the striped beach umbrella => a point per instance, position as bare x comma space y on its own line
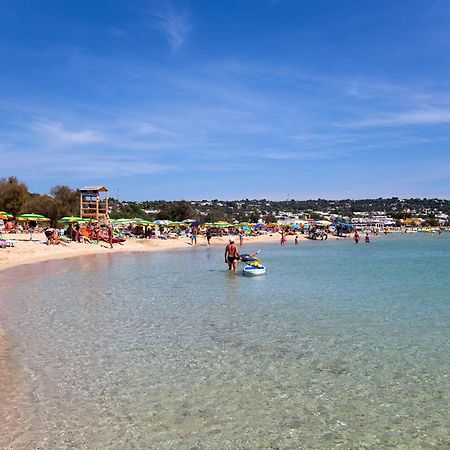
73, 219
5, 215
133, 220
36, 217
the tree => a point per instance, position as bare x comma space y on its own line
13, 195
270, 218
214, 215
254, 217
177, 211
44, 205
67, 201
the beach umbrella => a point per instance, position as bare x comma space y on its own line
324, 223
73, 219
295, 226
221, 224
134, 220
246, 228
178, 224
5, 215
36, 217
260, 225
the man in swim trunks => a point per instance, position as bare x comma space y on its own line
231, 255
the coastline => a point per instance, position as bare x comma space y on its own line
27, 252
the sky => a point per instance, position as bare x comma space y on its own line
227, 99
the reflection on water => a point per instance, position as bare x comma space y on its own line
339, 346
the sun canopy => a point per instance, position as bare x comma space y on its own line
133, 220
36, 217
73, 219
5, 215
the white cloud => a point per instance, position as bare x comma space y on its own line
173, 24
297, 155
419, 117
55, 131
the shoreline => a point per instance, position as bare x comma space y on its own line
26, 252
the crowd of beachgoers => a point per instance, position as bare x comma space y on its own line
77, 237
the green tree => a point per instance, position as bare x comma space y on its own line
270, 218
214, 215
67, 201
177, 211
44, 205
13, 195
254, 217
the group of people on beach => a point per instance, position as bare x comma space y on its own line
85, 235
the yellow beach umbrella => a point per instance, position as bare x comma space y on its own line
221, 224
72, 219
36, 217
5, 215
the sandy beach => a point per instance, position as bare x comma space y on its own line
35, 251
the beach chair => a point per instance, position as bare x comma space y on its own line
5, 243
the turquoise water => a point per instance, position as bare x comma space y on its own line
338, 346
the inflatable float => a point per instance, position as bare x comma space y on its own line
254, 269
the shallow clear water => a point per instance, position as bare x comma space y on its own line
338, 346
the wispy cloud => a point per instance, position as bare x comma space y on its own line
419, 117
298, 155
56, 132
173, 23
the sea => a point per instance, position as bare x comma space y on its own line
337, 346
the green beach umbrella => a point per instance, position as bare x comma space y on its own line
221, 224
36, 217
134, 220
5, 215
72, 219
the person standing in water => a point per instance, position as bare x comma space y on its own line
367, 238
231, 255
296, 240
283, 238
356, 237
241, 238
194, 233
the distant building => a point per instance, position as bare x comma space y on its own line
374, 221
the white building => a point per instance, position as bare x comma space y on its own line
374, 221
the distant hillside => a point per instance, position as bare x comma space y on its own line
268, 210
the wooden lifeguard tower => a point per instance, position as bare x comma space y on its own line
94, 202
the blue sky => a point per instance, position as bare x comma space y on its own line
227, 98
